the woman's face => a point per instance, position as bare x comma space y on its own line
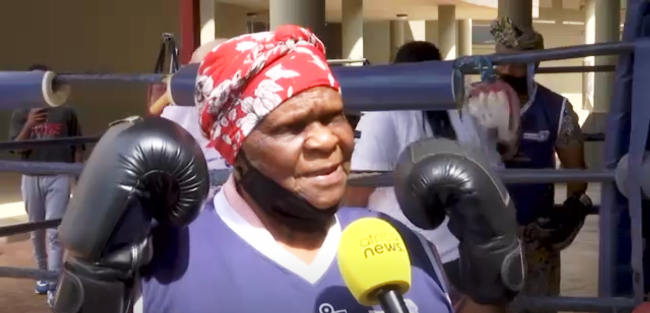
305, 145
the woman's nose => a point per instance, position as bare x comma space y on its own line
321, 138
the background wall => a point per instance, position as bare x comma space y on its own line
88, 36
85, 36
124, 36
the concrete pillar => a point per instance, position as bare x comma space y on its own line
601, 25
306, 13
352, 29
608, 20
590, 38
397, 29
602, 20
431, 31
447, 31
230, 20
208, 27
464, 37
519, 11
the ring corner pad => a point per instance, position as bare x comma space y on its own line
54, 94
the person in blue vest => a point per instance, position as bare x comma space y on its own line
549, 126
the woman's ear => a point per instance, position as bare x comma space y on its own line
240, 166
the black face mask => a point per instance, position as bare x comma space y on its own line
519, 84
284, 206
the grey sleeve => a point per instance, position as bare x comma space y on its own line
569, 131
74, 129
17, 122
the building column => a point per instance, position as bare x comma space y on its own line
208, 26
447, 32
397, 28
590, 38
306, 13
189, 28
605, 28
601, 25
464, 37
352, 29
519, 11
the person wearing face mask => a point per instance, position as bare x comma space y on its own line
549, 125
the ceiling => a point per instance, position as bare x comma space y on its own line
388, 9
421, 9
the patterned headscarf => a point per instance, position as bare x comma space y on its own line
508, 35
242, 80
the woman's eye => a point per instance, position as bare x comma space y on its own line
335, 119
294, 128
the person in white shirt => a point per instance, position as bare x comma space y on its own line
188, 117
385, 134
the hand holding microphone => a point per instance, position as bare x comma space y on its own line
435, 178
375, 265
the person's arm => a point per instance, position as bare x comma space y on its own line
461, 302
19, 128
467, 305
570, 147
376, 150
75, 131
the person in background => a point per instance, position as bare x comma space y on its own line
188, 118
384, 135
549, 126
46, 196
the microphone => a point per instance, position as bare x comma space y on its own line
375, 265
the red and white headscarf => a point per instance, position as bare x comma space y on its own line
245, 78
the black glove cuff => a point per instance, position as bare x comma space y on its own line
492, 273
580, 199
91, 288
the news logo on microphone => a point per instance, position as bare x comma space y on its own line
372, 255
380, 243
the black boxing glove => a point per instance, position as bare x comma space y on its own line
559, 226
435, 178
142, 171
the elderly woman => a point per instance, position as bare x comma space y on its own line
268, 240
549, 126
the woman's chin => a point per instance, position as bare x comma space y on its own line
323, 197
325, 201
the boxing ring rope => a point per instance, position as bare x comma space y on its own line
424, 86
30, 144
66, 78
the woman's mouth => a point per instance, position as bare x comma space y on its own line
328, 176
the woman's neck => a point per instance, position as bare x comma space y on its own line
304, 245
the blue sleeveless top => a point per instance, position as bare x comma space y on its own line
209, 268
540, 125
